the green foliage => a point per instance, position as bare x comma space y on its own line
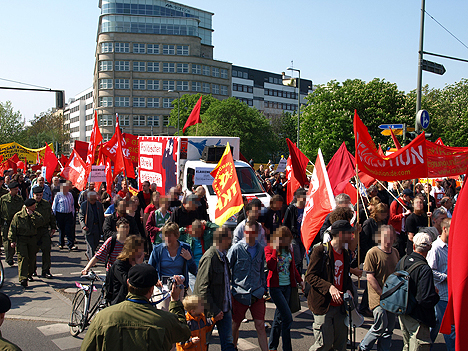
46, 127
11, 124
284, 126
328, 119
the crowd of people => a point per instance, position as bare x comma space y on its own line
152, 242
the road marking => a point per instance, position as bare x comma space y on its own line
68, 342
241, 343
79, 273
53, 329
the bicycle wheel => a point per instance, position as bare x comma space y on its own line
77, 321
2, 274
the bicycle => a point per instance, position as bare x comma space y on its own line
82, 313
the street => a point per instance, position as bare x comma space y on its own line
39, 315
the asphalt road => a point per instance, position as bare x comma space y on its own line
66, 267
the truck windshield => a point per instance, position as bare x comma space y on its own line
248, 181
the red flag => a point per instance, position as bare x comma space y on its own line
119, 163
395, 140
380, 151
15, 158
299, 162
38, 158
341, 168
25, 165
320, 202
227, 188
75, 171
94, 140
50, 161
194, 117
109, 179
440, 142
293, 184
457, 274
63, 159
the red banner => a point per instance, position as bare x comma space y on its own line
407, 163
227, 188
158, 162
132, 146
444, 161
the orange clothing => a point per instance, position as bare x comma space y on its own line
199, 326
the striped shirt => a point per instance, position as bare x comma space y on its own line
63, 203
437, 259
103, 252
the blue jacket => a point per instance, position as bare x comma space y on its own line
189, 266
247, 274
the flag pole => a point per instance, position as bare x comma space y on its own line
428, 202
393, 195
357, 227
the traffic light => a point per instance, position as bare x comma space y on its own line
413, 135
59, 96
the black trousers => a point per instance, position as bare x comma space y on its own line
65, 224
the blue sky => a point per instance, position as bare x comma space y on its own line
52, 43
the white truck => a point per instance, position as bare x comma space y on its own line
193, 166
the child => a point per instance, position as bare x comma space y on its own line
198, 324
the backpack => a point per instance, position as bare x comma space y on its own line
396, 297
109, 286
325, 259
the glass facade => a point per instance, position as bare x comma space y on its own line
155, 17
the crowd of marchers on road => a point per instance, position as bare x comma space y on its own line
152, 242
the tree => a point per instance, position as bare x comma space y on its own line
327, 121
284, 126
47, 127
11, 124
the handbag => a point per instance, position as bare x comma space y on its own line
294, 300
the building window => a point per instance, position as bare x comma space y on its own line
234, 73
167, 102
152, 84
224, 73
139, 120
152, 49
138, 48
206, 88
152, 121
182, 68
168, 67
196, 86
105, 66
152, 102
89, 117
245, 75
105, 83
139, 66
122, 101
138, 102
122, 65
106, 120
206, 70
168, 49
124, 120
139, 84
215, 89
224, 90
165, 121
182, 85
106, 137
122, 84
215, 72
152, 66
122, 47
107, 47
168, 85
105, 101
196, 69
182, 50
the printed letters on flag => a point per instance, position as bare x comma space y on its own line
109, 178
75, 171
94, 140
320, 202
226, 186
457, 274
194, 117
50, 161
407, 163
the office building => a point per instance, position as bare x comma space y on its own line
78, 118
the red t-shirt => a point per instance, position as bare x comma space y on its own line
147, 197
122, 194
339, 273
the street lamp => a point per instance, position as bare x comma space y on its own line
298, 101
178, 109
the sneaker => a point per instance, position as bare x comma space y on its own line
47, 275
11, 263
73, 248
30, 279
61, 247
34, 274
245, 320
24, 283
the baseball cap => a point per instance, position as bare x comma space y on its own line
142, 276
422, 240
193, 198
408, 192
341, 226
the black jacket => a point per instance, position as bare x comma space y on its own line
86, 216
290, 220
110, 227
422, 287
141, 200
184, 218
366, 238
118, 280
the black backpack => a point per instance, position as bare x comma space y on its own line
109, 285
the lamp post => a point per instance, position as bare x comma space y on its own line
178, 109
298, 101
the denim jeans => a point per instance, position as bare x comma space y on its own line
224, 327
283, 318
299, 252
449, 339
381, 331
